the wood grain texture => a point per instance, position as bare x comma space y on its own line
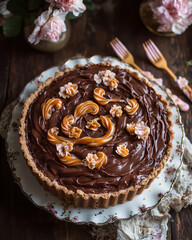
19, 218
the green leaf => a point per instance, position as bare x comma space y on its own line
189, 63
12, 26
17, 6
34, 4
71, 16
89, 5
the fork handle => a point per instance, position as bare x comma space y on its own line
137, 67
186, 90
171, 73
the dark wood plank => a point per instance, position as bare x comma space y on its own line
5, 66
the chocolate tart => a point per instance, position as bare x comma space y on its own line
96, 135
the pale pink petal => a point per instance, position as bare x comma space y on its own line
172, 15
35, 36
74, 6
48, 29
180, 103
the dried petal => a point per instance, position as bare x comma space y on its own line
68, 90
75, 132
93, 125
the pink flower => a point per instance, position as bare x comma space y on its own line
172, 15
75, 219
180, 103
74, 6
48, 27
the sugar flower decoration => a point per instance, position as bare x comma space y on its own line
90, 160
140, 129
48, 26
74, 6
68, 90
172, 15
108, 78
116, 111
64, 149
122, 150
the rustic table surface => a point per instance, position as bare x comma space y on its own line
19, 63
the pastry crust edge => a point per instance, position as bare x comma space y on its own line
80, 198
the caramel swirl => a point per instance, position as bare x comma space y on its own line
68, 129
92, 142
101, 161
86, 107
66, 125
53, 137
69, 160
132, 106
47, 108
95, 160
99, 97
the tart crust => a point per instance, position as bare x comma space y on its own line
79, 198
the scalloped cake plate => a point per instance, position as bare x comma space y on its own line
42, 198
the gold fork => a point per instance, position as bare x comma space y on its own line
158, 60
123, 53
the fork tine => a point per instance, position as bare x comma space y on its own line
156, 48
121, 45
147, 52
116, 50
123, 53
116, 45
153, 50
153, 55
158, 57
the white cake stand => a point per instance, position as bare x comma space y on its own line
41, 198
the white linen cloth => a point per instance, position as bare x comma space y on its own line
152, 224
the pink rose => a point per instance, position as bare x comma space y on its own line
172, 15
74, 6
48, 28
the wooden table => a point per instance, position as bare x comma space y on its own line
19, 63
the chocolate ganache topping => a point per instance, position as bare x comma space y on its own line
95, 135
